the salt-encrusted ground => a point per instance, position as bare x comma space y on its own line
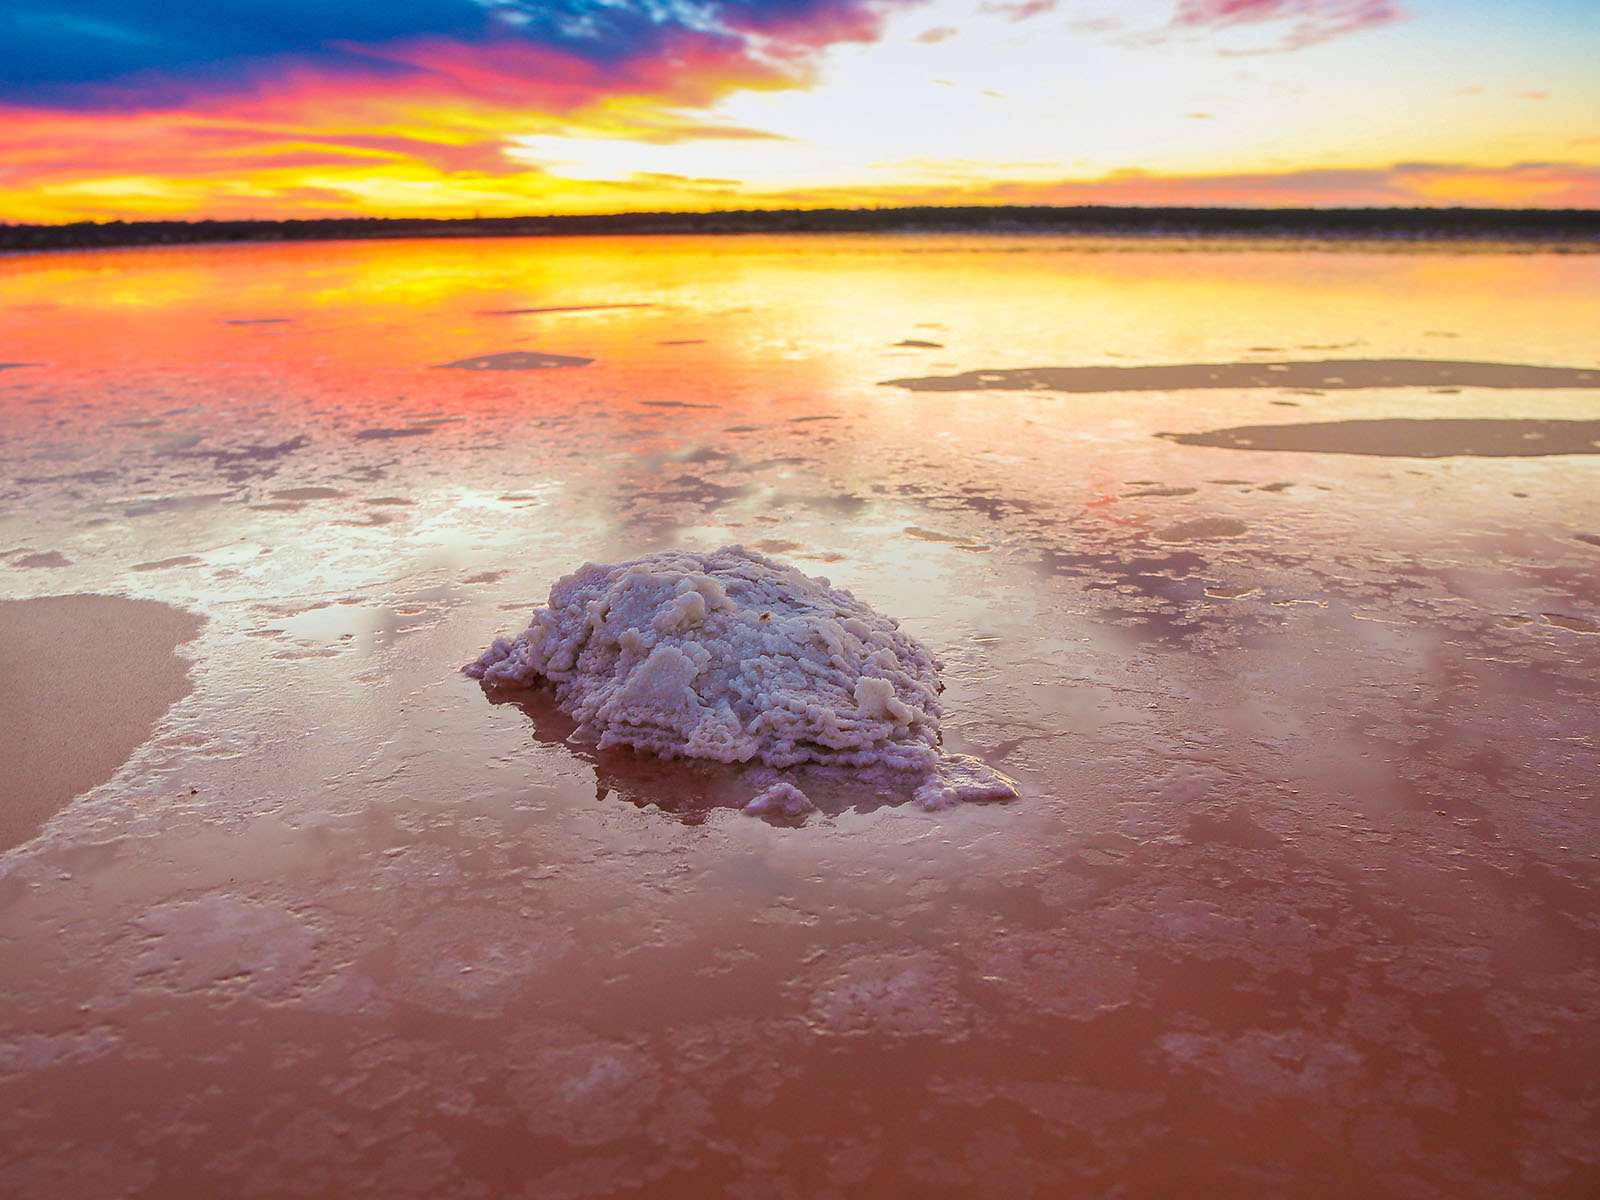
1298, 898
732, 657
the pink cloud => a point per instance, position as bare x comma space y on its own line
1019, 10
1306, 21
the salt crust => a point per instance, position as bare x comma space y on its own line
734, 657
780, 799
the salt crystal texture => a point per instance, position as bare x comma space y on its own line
734, 657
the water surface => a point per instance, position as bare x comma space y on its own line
1299, 899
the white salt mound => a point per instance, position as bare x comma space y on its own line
734, 657
780, 799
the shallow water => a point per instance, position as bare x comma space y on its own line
1300, 897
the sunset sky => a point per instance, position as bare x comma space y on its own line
286, 108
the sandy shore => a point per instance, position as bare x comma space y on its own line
87, 678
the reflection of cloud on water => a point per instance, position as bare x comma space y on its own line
1409, 438
559, 308
1337, 373
517, 360
245, 462
1202, 529
385, 433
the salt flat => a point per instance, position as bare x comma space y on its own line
1298, 896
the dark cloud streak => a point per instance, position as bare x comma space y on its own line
72, 42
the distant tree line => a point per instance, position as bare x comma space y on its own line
1420, 224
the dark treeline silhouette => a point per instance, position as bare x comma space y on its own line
1408, 224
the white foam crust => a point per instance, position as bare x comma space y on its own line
732, 656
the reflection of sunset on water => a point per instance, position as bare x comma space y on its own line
1296, 896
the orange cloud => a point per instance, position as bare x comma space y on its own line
318, 147
425, 139
419, 123
1430, 185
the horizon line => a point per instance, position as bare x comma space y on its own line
803, 209
1458, 223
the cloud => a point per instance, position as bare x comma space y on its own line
428, 96
124, 55
1400, 185
694, 181
323, 132
1305, 22
1519, 185
1019, 10
406, 184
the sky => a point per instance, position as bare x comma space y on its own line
136, 109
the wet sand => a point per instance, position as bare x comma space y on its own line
1327, 374
87, 678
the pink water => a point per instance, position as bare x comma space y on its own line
1300, 897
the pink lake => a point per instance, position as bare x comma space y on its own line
1301, 897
